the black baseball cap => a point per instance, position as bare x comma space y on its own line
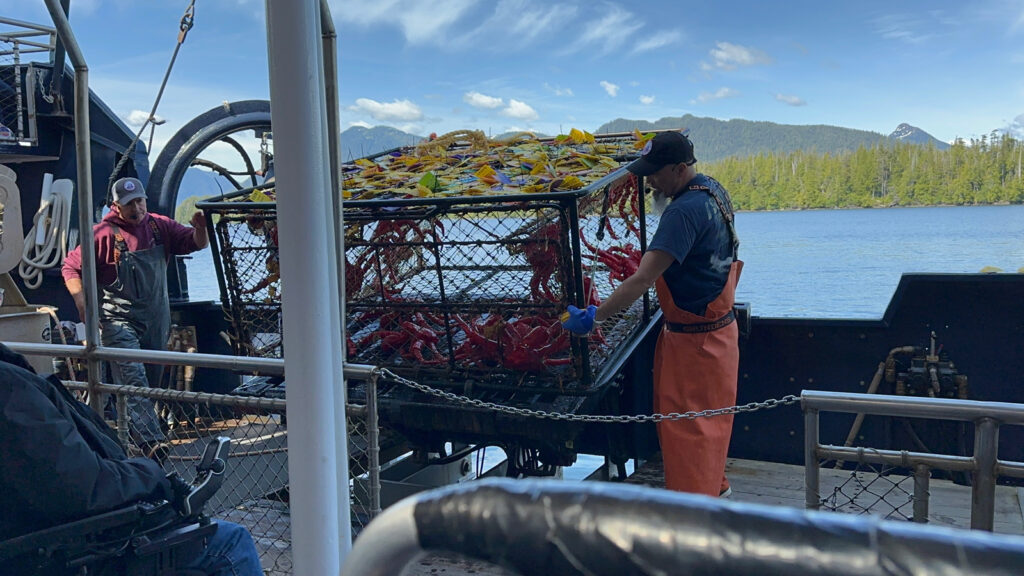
664, 149
127, 189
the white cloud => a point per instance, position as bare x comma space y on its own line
522, 21
609, 32
717, 95
137, 118
647, 100
478, 100
902, 28
791, 100
726, 56
611, 89
659, 40
520, 110
422, 22
399, 110
361, 124
559, 91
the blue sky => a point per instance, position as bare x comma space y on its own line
954, 69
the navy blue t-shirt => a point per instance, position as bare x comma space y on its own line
693, 231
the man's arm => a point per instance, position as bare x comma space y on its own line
74, 286
652, 266
199, 234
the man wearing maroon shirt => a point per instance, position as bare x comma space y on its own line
133, 248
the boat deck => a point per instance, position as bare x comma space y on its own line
783, 485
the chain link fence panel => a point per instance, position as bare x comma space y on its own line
255, 491
873, 489
20, 46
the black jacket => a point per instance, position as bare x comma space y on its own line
59, 461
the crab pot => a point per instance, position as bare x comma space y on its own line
458, 292
245, 255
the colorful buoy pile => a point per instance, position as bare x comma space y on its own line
466, 163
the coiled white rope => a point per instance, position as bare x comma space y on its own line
46, 244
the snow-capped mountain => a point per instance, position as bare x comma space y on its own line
907, 133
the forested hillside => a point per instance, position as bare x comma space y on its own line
716, 139
984, 171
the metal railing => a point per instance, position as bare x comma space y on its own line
21, 43
984, 465
256, 491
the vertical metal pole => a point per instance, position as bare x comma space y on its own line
122, 419
983, 492
329, 77
373, 439
19, 128
57, 72
922, 476
580, 345
812, 474
642, 240
330, 47
83, 156
310, 306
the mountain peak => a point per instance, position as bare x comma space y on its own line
903, 130
908, 133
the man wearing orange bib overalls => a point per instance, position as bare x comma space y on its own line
692, 262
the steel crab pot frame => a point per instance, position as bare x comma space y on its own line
457, 292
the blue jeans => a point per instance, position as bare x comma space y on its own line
230, 552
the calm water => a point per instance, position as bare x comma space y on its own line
835, 263
847, 263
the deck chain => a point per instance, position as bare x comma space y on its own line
595, 418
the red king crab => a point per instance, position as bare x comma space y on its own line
482, 345
395, 241
622, 261
626, 200
543, 252
413, 337
531, 342
527, 343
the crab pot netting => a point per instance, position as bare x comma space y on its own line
246, 257
458, 291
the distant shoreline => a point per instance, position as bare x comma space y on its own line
882, 207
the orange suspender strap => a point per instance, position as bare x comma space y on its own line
119, 244
157, 239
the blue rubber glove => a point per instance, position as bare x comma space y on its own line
579, 321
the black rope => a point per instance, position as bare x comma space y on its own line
187, 21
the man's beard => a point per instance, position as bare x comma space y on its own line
659, 201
